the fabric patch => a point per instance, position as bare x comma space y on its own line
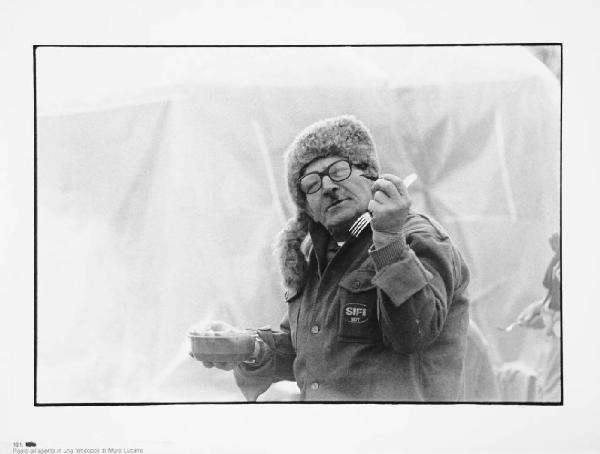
355, 313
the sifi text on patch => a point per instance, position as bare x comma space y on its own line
355, 313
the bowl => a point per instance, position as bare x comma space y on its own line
226, 347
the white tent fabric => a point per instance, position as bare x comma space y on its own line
160, 193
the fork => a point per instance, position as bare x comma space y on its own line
366, 218
509, 328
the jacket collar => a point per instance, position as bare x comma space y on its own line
321, 239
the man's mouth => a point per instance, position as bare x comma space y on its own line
334, 204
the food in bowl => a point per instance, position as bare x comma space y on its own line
221, 346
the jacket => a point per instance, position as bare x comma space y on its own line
372, 325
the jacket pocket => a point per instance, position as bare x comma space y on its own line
358, 308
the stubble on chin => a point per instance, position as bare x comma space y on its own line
340, 229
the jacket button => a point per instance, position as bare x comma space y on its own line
356, 284
314, 386
314, 329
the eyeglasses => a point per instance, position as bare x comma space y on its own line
337, 171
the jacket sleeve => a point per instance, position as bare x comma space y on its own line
417, 280
275, 362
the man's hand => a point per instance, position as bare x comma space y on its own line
216, 328
531, 315
390, 204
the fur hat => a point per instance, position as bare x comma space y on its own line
343, 136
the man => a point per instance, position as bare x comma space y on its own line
546, 314
378, 317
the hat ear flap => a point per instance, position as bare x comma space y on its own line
288, 249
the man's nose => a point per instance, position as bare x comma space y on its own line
328, 184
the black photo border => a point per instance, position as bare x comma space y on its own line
36, 402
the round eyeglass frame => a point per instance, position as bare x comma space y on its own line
322, 174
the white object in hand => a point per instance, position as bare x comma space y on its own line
364, 219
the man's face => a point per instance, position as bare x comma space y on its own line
337, 204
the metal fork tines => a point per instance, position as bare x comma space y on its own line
508, 328
365, 219
360, 224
